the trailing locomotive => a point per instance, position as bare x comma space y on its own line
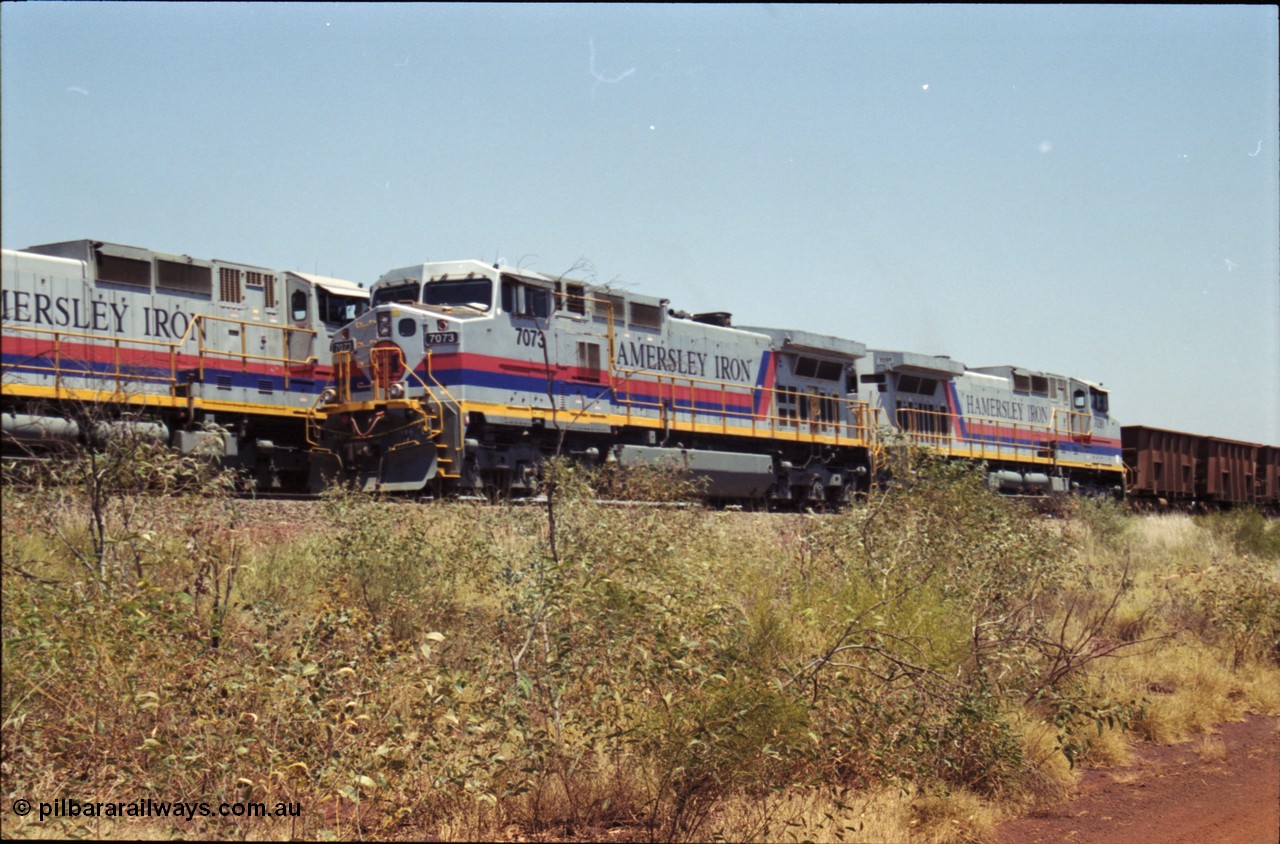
462, 377
215, 356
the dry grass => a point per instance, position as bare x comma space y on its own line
1050, 776
1183, 678
442, 671
1210, 748
884, 815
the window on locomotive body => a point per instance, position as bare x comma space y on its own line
1078, 400
508, 293
537, 302
298, 306
475, 292
829, 370
528, 300
406, 292
1100, 403
336, 308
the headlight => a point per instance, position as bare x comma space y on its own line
396, 391
384, 324
328, 396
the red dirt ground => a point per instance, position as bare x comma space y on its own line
1224, 792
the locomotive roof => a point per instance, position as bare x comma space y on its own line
794, 339
886, 361
339, 286
27, 255
1015, 370
1010, 371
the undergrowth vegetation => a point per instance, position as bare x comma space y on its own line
908, 670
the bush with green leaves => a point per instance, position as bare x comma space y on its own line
1246, 530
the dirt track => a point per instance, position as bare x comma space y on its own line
1225, 790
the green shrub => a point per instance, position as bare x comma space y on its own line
1246, 530
1239, 603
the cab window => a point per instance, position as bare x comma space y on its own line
1099, 401
539, 302
405, 292
469, 293
525, 299
298, 305
337, 308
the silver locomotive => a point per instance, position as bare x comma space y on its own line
463, 377
210, 355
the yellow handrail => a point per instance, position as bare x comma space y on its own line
119, 372
941, 430
814, 427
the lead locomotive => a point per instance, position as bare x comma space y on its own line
463, 377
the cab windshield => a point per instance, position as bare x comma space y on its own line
404, 292
343, 309
470, 293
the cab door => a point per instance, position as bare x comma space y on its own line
299, 302
1081, 416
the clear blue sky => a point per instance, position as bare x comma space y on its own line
1092, 191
